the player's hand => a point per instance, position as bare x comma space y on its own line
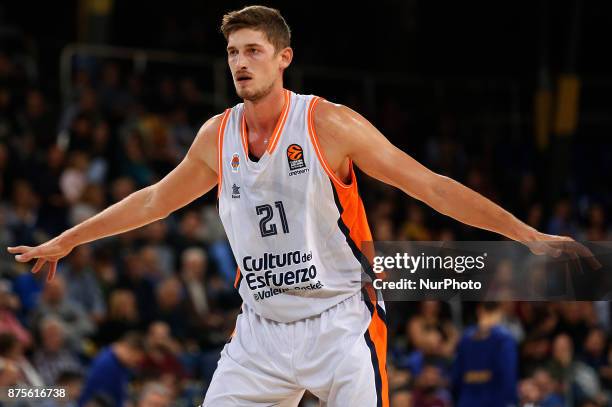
49, 252
555, 246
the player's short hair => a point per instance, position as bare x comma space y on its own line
265, 19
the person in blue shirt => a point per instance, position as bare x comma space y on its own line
111, 370
485, 368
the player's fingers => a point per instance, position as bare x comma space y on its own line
38, 265
33, 253
552, 250
52, 269
588, 255
18, 249
580, 251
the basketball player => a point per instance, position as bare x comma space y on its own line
288, 199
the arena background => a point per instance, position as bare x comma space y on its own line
99, 98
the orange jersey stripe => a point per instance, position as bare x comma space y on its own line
280, 124
220, 135
378, 335
237, 279
315, 142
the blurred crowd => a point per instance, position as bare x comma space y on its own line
153, 307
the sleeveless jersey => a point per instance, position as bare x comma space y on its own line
295, 229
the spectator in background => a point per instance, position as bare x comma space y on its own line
133, 279
110, 371
113, 98
561, 222
22, 215
91, 202
54, 302
181, 132
73, 383
121, 188
81, 133
100, 153
135, 165
53, 357
596, 225
594, 350
414, 227
429, 389
576, 319
27, 287
37, 120
430, 318
82, 284
9, 305
9, 372
534, 353
156, 235
529, 393
190, 233
171, 307
87, 106
606, 372
162, 357
74, 178
105, 269
12, 351
166, 96
549, 389
151, 264
579, 382
205, 318
122, 317
430, 351
535, 216
154, 395
193, 273
54, 206
485, 368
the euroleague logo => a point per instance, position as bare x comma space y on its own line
295, 158
295, 153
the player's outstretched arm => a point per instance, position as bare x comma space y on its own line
345, 133
194, 176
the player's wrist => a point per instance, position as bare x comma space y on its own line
67, 240
526, 233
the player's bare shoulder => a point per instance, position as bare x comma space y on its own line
204, 146
336, 126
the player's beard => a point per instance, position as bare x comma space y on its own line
254, 94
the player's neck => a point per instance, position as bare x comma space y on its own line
262, 115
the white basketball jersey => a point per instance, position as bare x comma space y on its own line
295, 229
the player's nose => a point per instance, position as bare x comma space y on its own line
240, 62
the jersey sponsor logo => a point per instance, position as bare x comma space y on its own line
295, 158
270, 292
235, 163
282, 279
265, 282
270, 261
235, 191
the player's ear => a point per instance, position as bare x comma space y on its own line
286, 57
